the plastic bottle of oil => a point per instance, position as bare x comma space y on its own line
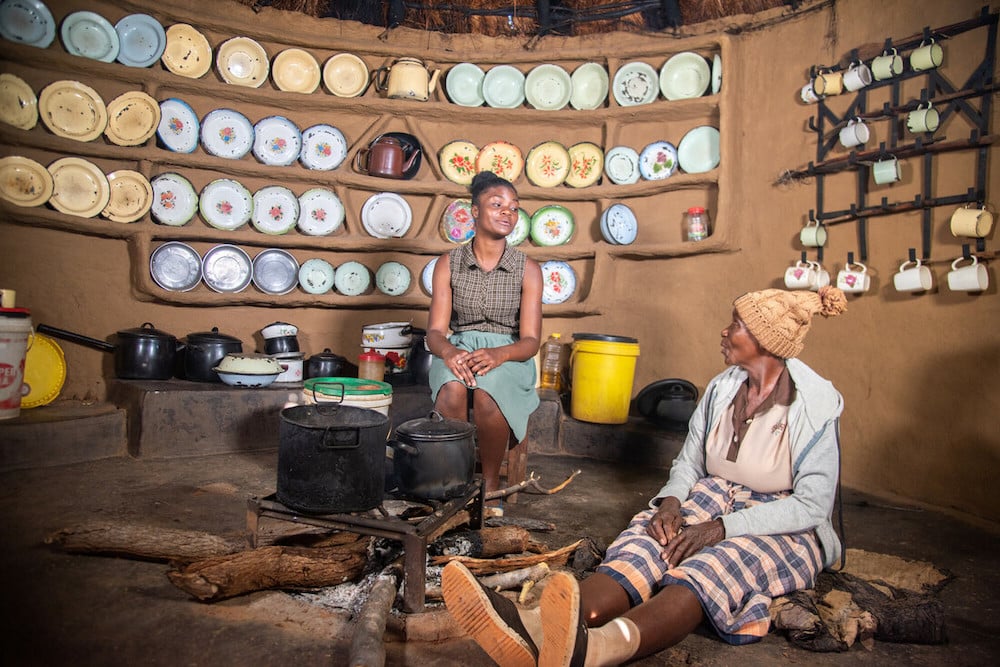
552, 354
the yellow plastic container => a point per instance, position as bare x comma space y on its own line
602, 369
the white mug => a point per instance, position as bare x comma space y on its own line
886, 170
808, 94
813, 234
928, 56
800, 276
887, 65
821, 277
923, 120
972, 222
969, 278
857, 77
855, 134
913, 277
854, 278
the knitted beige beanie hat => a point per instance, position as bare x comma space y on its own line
779, 319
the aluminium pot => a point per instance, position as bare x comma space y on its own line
434, 458
331, 458
141, 353
204, 351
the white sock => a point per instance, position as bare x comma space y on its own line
532, 619
612, 644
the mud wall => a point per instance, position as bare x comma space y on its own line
918, 372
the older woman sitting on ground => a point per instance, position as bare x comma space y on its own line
744, 517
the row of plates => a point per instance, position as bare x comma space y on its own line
559, 281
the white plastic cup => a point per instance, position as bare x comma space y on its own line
913, 277
821, 277
15, 328
969, 278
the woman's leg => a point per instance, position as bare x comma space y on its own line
492, 435
452, 401
602, 599
665, 619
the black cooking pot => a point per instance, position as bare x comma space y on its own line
420, 357
204, 351
434, 458
325, 364
142, 353
668, 403
281, 345
331, 458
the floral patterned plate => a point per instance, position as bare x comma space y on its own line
133, 118
276, 141
79, 187
131, 196
658, 160
174, 200
18, 102
585, 163
547, 164
179, 126
636, 83
225, 204
558, 282
226, 133
275, 271
457, 224
521, 229
502, 158
320, 212
73, 110
323, 147
275, 210
24, 181
458, 161
552, 225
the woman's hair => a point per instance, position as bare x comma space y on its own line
486, 180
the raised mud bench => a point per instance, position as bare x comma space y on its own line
62, 433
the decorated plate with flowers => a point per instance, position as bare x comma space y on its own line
586, 161
558, 282
277, 141
502, 158
320, 212
225, 204
547, 164
522, 228
552, 225
179, 126
458, 161
226, 133
174, 199
275, 210
457, 223
658, 160
323, 147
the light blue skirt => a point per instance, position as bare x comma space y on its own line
511, 385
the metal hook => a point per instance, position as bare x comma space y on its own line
913, 254
965, 251
850, 257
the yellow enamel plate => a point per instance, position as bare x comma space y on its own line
458, 161
79, 187
295, 71
345, 75
18, 102
24, 182
502, 158
73, 110
188, 52
242, 61
131, 196
132, 118
586, 160
547, 164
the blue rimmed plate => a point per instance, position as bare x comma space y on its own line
141, 40
658, 160
552, 225
226, 133
89, 35
277, 141
275, 210
698, 151
558, 282
323, 147
621, 164
636, 83
275, 271
225, 204
320, 212
619, 225
27, 22
179, 127
174, 199
427, 276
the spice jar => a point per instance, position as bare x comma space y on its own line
697, 224
371, 366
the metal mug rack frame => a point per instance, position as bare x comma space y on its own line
947, 100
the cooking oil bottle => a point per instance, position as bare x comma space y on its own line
552, 355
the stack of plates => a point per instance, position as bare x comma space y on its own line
227, 268
242, 61
179, 126
133, 118
277, 141
548, 87
619, 225
636, 83
79, 187
458, 161
187, 52
275, 210
225, 204
18, 103
585, 163
131, 196
142, 40
558, 282
316, 276
295, 71
464, 84
590, 86
175, 266
73, 110
27, 22
226, 133
457, 223
24, 182
502, 158
503, 87
89, 35
658, 160
685, 75
345, 75
323, 147
547, 164
320, 212
552, 225
174, 200
392, 278
275, 271
698, 151
386, 215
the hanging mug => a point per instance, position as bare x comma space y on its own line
800, 276
972, 222
923, 120
857, 76
927, 56
828, 83
813, 234
808, 94
886, 170
855, 134
913, 276
821, 277
887, 65
854, 278
969, 278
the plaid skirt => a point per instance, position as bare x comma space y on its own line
736, 579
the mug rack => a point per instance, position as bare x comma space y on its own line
947, 99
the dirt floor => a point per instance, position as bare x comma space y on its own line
66, 609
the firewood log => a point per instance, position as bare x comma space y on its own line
367, 645
482, 543
144, 542
491, 565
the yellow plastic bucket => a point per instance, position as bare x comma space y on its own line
602, 369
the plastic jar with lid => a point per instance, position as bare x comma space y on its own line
697, 225
371, 366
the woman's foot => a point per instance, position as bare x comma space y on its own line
488, 617
564, 636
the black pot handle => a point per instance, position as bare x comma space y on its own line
339, 438
333, 402
75, 338
403, 447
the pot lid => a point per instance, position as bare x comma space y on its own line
213, 336
435, 428
147, 330
333, 416
327, 355
604, 337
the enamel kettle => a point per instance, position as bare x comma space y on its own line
406, 79
385, 157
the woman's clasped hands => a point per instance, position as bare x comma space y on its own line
467, 365
679, 541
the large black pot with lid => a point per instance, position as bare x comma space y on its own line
434, 458
326, 364
204, 351
141, 353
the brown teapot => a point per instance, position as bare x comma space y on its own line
385, 157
